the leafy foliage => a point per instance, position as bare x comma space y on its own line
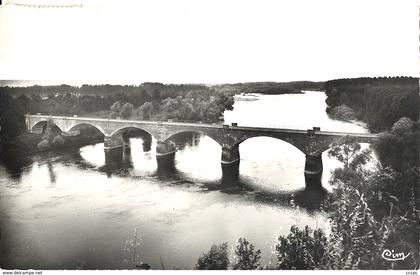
248, 257
245, 257
399, 147
301, 249
370, 210
343, 112
126, 110
144, 111
347, 151
116, 107
215, 259
378, 101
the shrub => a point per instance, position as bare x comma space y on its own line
343, 112
144, 111
248, 259
43, 144
126, 110
58, 140
116, 107
301, 249
215, 259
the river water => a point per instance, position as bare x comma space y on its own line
68, 210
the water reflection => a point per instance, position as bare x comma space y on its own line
117, 161
194, 165
77, 208
51, 172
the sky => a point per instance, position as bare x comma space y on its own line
207, 41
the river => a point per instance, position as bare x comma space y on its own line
67, 210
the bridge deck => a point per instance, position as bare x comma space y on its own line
204, 126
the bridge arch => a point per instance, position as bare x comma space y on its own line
80, 125
284, 140
41, 125
124, 129
172, 136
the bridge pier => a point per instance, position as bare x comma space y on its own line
116, 141
230, 164
313, 171
117, 158
165, 155
147, 143
125, 140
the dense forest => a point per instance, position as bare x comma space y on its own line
379, 102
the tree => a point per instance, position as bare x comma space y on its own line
302, 249
399, 147
116, 107
248, 259
366, 214
215, 259
58, 140
145, 111
347, 151
176, 108
126, 110
43, 144
403, 125
12, 118
225, 101
343, 112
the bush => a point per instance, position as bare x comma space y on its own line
343, 112
144, 111
248, 259
301, 249
402, 126
113, 115
126, 110
215, 259
43, 144
399, 148
116, 107
58, 140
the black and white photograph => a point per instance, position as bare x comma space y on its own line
209, 135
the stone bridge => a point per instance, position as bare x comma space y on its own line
310, 142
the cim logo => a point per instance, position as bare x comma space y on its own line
390, 255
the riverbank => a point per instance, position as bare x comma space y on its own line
379, 102
30, 143
269, 88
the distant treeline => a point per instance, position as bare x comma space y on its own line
157, 101
159, 90
271, 87
148, 101
380, 102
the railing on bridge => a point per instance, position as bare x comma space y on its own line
232, 125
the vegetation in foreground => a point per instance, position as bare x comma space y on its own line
371, 211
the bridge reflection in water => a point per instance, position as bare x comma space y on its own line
117, 133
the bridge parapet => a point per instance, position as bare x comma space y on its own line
309, 142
